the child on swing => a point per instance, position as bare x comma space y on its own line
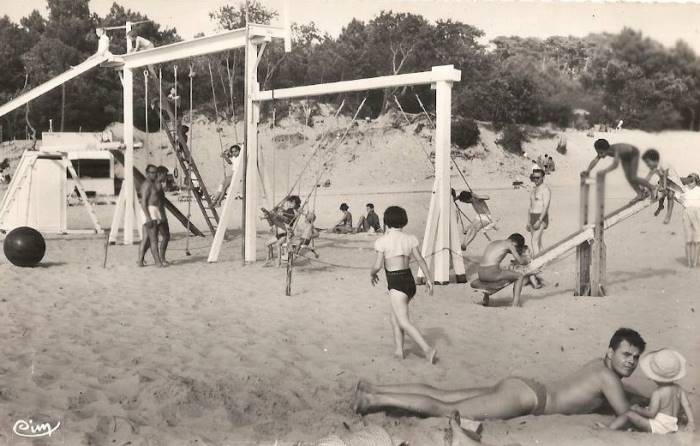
394, 251
307, 232
281, 218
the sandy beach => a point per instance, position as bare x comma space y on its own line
216, 354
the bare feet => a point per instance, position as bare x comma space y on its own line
431, 355
140, 263
457, 436
360, 402
667, 220
398, 354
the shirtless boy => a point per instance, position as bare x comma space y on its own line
151, 205
490, 267
587, 390
483, 219
538, 213
669, 181
628, 155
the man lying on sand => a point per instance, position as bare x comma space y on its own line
588, 389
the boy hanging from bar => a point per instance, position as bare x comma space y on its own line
628, 156
669, 181
483, 221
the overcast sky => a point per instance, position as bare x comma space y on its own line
665, 22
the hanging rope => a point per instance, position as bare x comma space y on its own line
189, 161
216, 119
420, 144
145, 110
319, 145
454, 162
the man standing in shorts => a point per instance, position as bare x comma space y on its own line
538, 213
151, 209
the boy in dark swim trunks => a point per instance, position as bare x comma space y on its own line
628, 155
394, 250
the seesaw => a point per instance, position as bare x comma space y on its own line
489, 288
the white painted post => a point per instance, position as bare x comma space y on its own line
252, 110
128, 184
443, 97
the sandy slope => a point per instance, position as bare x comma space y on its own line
216, 354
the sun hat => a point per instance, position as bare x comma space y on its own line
663, 365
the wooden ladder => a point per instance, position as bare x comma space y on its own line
184, 156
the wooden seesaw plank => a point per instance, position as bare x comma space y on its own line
572, 241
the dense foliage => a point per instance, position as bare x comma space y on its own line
513, 80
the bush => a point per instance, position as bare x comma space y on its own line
512, 139
465, 132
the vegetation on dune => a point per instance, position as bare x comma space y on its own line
513, 80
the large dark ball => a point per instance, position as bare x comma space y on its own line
24, 246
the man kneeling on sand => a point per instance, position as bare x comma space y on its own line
584, 391
490, 269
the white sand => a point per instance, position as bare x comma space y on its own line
216, 354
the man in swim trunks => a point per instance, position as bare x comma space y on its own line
138, 43
628, 155
151, 205
538, 213
490, 266
587, 390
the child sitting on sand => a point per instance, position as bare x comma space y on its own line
344, 226
394, 250
664, 367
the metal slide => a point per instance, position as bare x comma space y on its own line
49, 85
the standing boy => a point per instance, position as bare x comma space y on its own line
538, 212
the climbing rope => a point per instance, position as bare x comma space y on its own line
216, 119
145, 110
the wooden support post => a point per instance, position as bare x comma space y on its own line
443, 94
252, 112
456, 246
128, 184
429, 234
598, 261
583, 251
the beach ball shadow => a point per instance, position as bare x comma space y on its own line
24, 246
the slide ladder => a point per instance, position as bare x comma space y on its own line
183, 154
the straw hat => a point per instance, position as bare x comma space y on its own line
663, 365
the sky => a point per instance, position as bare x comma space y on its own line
666, 22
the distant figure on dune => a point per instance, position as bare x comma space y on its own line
586, 390
628, 156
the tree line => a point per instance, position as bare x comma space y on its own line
510, 80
